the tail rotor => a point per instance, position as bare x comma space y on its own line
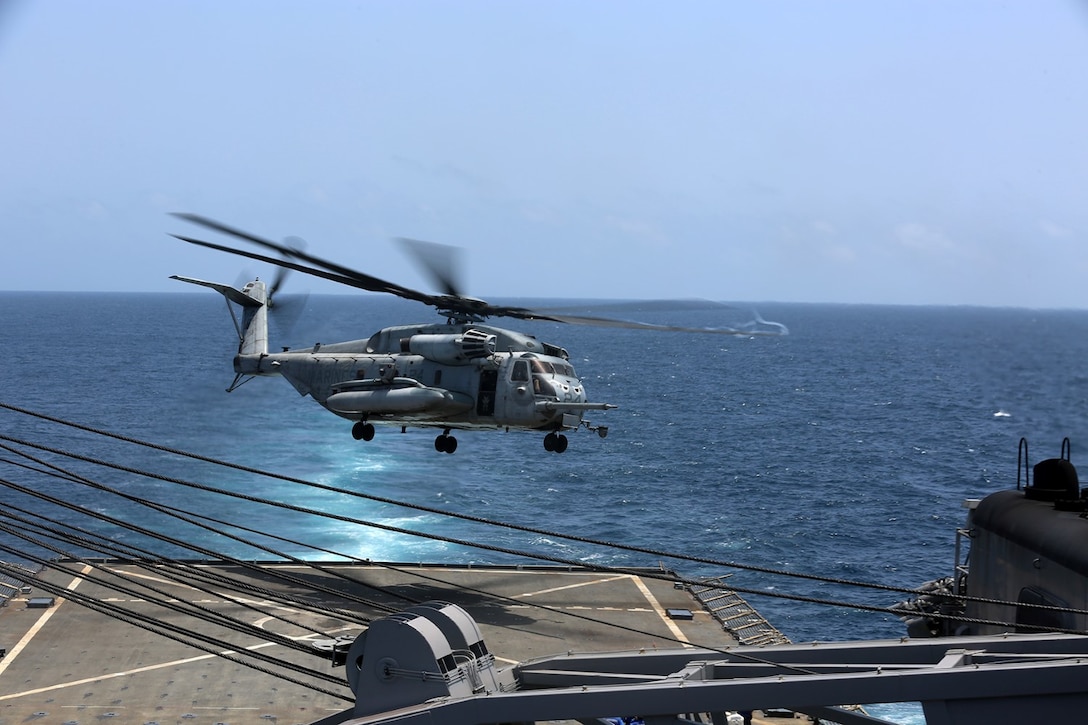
285, 310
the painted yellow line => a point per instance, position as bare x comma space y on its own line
22, 643
660, 611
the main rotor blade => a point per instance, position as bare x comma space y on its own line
375, 285
452, 301
439, 261
366, 281
747, 330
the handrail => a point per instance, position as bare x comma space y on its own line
1022, 463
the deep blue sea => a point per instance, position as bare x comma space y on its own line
844, 449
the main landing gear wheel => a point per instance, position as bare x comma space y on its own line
445, 443
363, 431
555, 442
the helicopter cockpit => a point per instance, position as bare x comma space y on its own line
553, 379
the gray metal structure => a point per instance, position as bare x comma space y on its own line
1020, 563
403, 671
463, 374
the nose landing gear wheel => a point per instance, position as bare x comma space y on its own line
555, 442
363, 431
445, 443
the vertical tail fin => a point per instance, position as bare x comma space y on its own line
253, 299
254, 332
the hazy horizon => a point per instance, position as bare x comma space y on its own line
921, 153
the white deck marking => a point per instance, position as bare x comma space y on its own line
159, 580
660, 611
573, 586
654, 604
123, 673
22, 643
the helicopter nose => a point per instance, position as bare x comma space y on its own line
571, 389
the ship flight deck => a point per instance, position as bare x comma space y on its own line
68, 664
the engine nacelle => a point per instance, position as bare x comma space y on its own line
453, 349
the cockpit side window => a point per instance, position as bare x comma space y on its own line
520, 373
542, 387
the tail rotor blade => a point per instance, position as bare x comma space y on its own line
295, 244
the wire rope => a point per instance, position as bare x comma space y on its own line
560, 560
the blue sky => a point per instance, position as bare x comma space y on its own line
921, 152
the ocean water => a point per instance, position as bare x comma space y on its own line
843, 450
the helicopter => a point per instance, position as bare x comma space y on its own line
462, 374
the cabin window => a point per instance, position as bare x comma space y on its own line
1028, 618
485, 400
437, 378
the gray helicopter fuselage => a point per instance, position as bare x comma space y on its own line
463, 375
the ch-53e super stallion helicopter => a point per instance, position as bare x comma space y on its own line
463, 374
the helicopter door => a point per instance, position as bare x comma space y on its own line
485, 401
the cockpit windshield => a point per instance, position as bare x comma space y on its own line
550, 368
